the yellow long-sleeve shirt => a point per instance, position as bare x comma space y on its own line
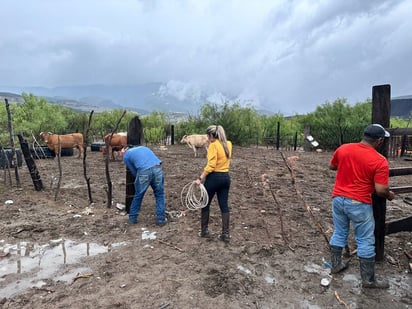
216, 157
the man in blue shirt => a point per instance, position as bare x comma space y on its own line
146, 167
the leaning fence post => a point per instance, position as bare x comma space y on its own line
31, 165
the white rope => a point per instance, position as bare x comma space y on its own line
194, 196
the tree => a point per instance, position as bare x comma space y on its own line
333, 124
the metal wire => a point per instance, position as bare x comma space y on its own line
194, 196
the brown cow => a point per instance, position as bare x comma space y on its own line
72, 140
196, 141
118, 141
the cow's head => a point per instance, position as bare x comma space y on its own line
184, 139
45, 136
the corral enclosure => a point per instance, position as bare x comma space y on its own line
274, 259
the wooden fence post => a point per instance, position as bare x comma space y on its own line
381, 110
31, 165
172, 134
134, 138
13, 149
278, 136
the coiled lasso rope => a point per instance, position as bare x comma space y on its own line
194, 196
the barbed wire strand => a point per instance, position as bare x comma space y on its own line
194, 196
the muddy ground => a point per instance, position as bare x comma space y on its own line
68, 253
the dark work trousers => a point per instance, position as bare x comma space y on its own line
219, 184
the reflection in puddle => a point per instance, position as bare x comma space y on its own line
28, 264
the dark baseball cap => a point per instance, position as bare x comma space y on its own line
375, 131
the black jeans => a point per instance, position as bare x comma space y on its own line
219, 184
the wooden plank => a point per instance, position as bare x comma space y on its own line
404, 189
403, 225
399, 131
400, 171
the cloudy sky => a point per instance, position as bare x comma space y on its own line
291, 55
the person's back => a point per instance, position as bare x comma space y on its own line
361, 171
146, 167
359, 166
140, 158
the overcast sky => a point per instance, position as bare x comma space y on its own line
290, 54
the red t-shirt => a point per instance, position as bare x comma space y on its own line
359, 167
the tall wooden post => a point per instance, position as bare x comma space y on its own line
381, 111
134, 138
13, 149
278, 136
172, 134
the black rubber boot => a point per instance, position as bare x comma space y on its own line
225, 236
367, 270
336, 257
204, 224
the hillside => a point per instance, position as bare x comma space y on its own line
147, 98
142, 99
401, 107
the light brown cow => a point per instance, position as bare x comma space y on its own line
72, 140
118, 141
196, 141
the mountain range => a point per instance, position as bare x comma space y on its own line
172, 97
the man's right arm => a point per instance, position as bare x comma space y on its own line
383, 191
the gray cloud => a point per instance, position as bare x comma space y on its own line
289, 55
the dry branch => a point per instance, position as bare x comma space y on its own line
109, 181
170, 245
341, 301
278, 208
300, 195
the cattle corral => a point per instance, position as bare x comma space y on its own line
274, 259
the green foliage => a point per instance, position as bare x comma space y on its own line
154, 135
240, 123
288, 128
154, 127
400, 123
194, 125
105, 122
35, 115
333, 124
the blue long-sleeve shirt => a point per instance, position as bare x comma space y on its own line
139, 159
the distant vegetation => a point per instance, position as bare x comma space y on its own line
331, 123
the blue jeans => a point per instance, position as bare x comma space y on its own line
150, 177
346, 210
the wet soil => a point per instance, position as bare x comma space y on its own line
280, 223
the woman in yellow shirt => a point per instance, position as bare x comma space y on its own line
216, 179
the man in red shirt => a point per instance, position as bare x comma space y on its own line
361, 170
